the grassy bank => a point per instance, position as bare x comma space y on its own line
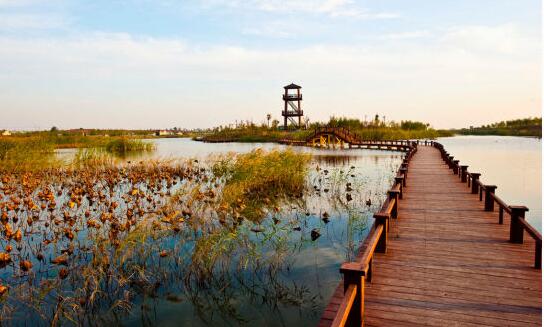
253, 133
376, 130
36, 152
123, 145
518, 127
26, 154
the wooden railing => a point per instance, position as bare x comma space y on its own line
518, 224
353, 138
357, 273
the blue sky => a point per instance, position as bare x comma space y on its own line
202, 63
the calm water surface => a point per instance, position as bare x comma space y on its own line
294, 291
514, 164
296, 294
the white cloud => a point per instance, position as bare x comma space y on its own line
505, 39
406, 35
444, 81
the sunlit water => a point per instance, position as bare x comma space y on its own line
295, 290
513, 164
311, 271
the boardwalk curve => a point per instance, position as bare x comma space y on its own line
443, 261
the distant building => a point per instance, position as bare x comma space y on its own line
6, 133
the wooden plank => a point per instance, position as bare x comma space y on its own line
449, 262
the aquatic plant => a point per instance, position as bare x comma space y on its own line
124, 145
22, 154
98, 241
256, 180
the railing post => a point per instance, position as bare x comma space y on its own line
404, 172
538, 254
489, 203
455, 167
501, 215
474, 177
398, 180
355, 274
464, 173
516, 228
394, 196
382, 219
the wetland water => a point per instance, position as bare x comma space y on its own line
295, 291
279, 270
514, 164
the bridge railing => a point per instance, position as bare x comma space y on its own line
518, 224
353, 138
357, 273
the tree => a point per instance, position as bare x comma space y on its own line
268, 116
54, 129
275, 123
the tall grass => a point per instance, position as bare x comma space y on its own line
92, 158
22, 154
252, 133
256, 180
37, 152
375, 131
124, 145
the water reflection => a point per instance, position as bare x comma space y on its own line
514, 164
278, 271
280, 276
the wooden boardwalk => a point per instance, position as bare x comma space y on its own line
448, 262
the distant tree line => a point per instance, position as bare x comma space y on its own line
517, 127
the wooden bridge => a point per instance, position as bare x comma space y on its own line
444, 250
340, 136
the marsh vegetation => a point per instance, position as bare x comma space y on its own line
375, 130
102, 240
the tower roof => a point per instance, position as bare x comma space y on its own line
292, 86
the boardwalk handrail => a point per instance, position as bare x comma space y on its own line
351, 310
353, 138
518, 224
345, 306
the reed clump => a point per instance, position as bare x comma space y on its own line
259, 179
26, 154
124, 145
